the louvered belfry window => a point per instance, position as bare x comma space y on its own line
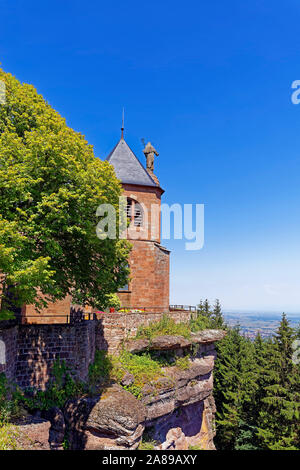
138, 215
134, 212
129, 208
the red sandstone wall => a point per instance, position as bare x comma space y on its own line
161, 289
147, 196
113, 328
32, 349
149, 272
56, 312
148, 261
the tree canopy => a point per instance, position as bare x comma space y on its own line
50, 187
256, 386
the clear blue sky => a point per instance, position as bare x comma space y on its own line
209, 83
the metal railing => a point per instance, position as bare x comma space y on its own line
72, 318
78, 316
184, 308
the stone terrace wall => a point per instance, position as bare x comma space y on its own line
39, 346
8, 351
32, 349
113, 328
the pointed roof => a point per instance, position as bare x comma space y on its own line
127, 166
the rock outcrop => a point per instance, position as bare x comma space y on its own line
32, 434
57, 429
171, 342
191, 425
113, 420
176, 411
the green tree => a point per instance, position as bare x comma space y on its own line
200, 308
50, 187
217, 316
207, 309
234, 391
279, 416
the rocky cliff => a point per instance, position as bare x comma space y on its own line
175, 411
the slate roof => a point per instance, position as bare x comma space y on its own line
127, 166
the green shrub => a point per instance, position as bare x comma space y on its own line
9, 400
101, 368
195, 448
144, 369
61, 388
144, 445
163, 358
134, 390
183, 363
147, 442
113, 301
200, 323
166, 326
8, 437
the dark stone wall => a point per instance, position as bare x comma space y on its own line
32, 349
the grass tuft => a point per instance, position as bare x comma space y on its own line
166, 326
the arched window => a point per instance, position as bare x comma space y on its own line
134, 212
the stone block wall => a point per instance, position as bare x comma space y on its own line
113, 328
148, 260
149, 272
56, 312
32, 349
150, 198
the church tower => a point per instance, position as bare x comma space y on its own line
148, 287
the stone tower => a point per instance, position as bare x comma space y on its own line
149, 262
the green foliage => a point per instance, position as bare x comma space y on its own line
246, 437
235, 386
166, 326
279, 414
106, 368
144, 369
208, 317
136, 390
217, 316
8, 437
183, 363
163, 358
144, 445
62, 388
51, 185
9, 409
9, 400
112, 300
101, 368
200, 323
257, 392
147, 442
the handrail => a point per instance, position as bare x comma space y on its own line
185, 308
